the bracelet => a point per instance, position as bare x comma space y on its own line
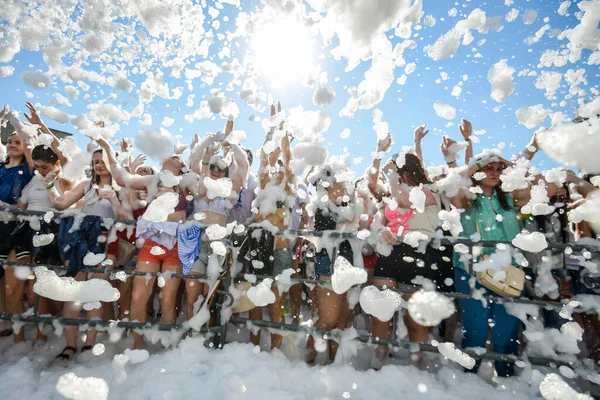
205, 163
451, 162
50, 186
467, 139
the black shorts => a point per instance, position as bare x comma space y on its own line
21, 240
405, 263
18, 239
5, 230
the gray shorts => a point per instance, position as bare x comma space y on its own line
282, 260
201, 263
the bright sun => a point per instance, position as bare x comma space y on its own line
283, 52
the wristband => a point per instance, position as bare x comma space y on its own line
467, 139
50, 186
479, 166
451, 162
205, 163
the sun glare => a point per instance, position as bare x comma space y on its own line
283, 52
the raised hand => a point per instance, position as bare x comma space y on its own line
421, 132
136, 163
384, 145
125, 146
446, 146
466, 129
51, 176
533, 142
279, 110
34, 118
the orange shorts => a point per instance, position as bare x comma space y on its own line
166, 256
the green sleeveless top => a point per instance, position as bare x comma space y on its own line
495, 223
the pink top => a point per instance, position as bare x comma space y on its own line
398, 219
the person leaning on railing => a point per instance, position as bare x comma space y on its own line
493, 215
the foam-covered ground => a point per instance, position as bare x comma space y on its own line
238, 371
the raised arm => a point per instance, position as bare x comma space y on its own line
286, 153
446, 148
35, 119
241, 171
420, 133
198, 154
263, 169
373, 172
120, 174
67, 199
531, 148
466, 130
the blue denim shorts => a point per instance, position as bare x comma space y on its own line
323, 263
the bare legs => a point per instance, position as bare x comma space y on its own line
143, 289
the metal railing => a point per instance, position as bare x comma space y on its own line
220, 331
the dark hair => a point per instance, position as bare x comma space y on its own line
542, 220
44, 153
502, 198
412, 166
7, 159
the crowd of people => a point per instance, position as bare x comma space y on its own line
186, 211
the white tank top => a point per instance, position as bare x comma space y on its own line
92, 204
35, 195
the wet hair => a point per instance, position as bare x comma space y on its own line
413, 168
44, 153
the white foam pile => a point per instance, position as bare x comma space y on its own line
160, 208
262, 295
155, 144
501, 78
554, 388
450, 351
495, 261
530, 241
75, 388
417, 198
216, 232
49, 285
345, 275
381, 304
429, 308
192, 368
451, 221
91, 259
445, 111
217, 187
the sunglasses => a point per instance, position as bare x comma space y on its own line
216, 168
558, 198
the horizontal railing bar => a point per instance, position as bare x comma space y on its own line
492, 356
101, 323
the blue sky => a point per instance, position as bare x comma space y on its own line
418, 94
